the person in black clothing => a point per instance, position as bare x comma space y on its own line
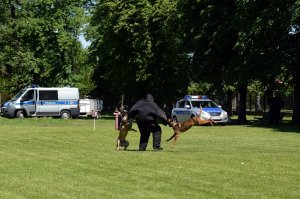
276, 104
147, 113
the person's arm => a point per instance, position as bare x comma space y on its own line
161, 115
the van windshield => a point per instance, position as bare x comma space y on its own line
18, 95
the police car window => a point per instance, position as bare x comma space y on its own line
29, 95
48, 95
206, 104
188, 103
213, 105
181, 104
196, 104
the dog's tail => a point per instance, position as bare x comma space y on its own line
210, 121
171, 137
200, 111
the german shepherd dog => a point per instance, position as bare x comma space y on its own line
184, 126
125, 126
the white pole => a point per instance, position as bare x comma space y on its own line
94, 123
94, 116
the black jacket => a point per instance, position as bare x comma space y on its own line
147, 110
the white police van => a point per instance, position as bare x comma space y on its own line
37, 101
190, 107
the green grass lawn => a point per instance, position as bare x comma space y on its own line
54, 158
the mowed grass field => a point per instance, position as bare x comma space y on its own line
54, 158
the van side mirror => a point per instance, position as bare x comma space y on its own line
21, 99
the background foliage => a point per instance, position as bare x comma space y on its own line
163, 47
39, 42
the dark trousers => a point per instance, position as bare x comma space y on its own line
146, 128
274, 116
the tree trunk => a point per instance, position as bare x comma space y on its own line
296, 108
229, 102
242, 103
257, 103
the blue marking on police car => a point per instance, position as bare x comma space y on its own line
209, 110
181, 112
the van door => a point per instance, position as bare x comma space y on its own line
47, 104
28, 102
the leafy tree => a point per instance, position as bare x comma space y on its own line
39, 42
83, 78
135, 45
262, 40
235, 42
210, 37
292, 54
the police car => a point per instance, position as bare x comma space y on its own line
190, 107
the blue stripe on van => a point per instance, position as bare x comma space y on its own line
28, 103
60, 102
25, 103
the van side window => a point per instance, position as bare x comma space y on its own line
48, 95
29, 95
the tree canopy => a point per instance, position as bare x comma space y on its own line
136, 47
39, 42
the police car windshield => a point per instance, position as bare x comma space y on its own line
19, 94
204, 104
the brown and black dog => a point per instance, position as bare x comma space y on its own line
125, 126
184, 126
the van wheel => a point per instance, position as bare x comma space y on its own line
20, 114
65, 115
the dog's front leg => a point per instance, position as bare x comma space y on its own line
175, 139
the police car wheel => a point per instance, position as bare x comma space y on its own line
192, 116
65, 115
20, 114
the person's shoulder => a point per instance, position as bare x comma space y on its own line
139, 101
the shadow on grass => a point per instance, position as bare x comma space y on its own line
284, 126
148, 151
103, 117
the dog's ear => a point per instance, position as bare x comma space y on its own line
169, 122
174, 124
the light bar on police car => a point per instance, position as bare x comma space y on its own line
195, 97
